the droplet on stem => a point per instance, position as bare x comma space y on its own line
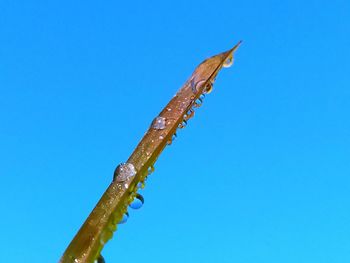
228, 62
124, 218
189, 114
198, 102
170, 141
100, 259
151, 169
138, 202
141, 184
124, 172
159, 123
208, 88
182, 124
173, 137
196, 85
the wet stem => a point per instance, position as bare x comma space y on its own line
130, 176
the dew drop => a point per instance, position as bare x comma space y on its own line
208, 88
174, 136
228, 62
158, 123
182, 124
198, 102
195, 86
100, 259
151, 169
141, 185
123, 172
170, 141
124, 218
189, 114
137, 202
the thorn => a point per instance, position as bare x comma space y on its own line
236, 46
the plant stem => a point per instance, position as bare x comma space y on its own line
102, 222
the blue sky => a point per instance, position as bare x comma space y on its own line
261, 174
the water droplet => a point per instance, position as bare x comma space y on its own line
137, 202
100, 259
208, 88
196, 85
159, 123
228, 62
174, 136
124, 218
182, 124
123, 172
170, 141
189, 114
151, 169
198, 102
141, 185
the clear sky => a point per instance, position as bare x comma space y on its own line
261, 174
